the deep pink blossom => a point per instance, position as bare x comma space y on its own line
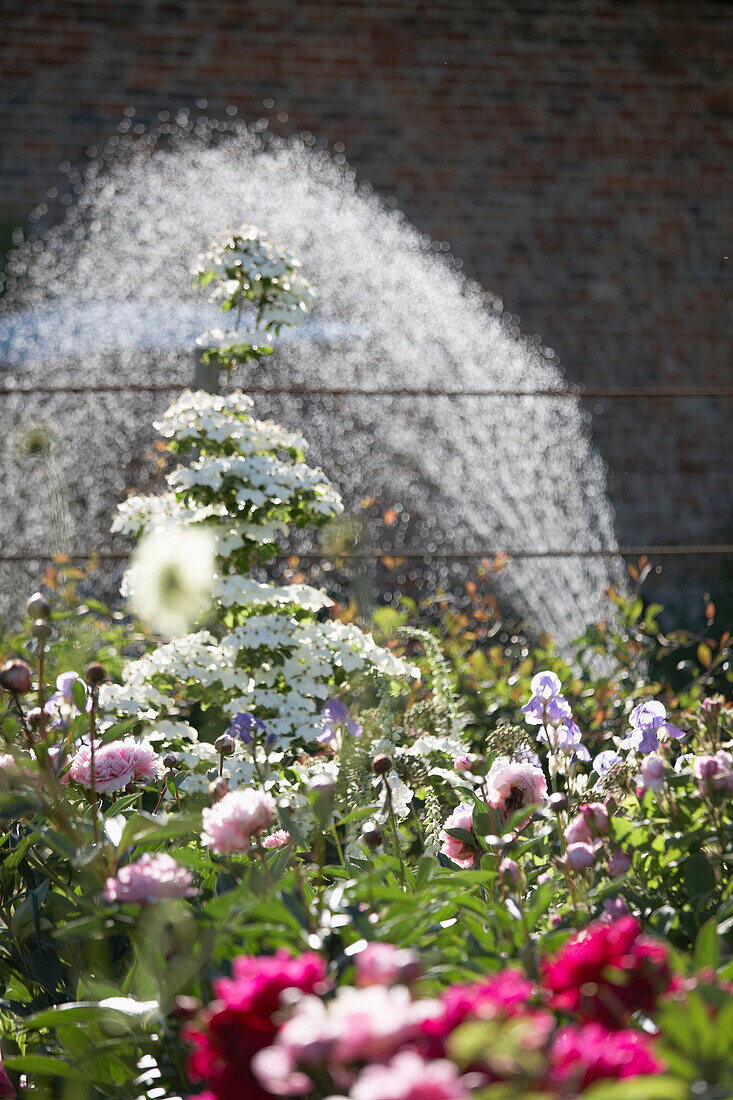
230, 824
514, 785
115, 765
240, 1022
6, 1085
607, 972
582, 1055
148, 879
504, 995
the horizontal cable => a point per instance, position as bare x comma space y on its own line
608, 393
420, 555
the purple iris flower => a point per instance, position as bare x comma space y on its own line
647, 721
246, 727
334, 714
565, 736
546, 705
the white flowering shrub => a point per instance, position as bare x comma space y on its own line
266, 651
247, 272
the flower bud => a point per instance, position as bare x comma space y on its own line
218, 788
37, 607
15, 676
652, 771
33, 717
619, 863
558, 802
712, 705
462, 763
95, 673
170, 760
596, 816
185, 1008
509, 871
225, 744
371, 834
381, 764
580, 857
41, 630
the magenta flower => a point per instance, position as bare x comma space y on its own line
115, 765
514, 786
6, 1085
582, 1055
607, 972
383, 964
149, 879
229, 825
456, 849
240, 1021
409, 1077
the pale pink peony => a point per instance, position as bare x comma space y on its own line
410, 1077
357, 1025
229, 825
457, 850
463, 762
514, 785
279, 839
148, 879
115, 765
383, 964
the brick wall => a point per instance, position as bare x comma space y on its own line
575, 154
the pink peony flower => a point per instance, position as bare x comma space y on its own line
514, 785
457, 850
240, 1021
607, 972
409, 1077
279, 839
579, 857
383, 964
115, 765
582, 1055
229, 825
148, 879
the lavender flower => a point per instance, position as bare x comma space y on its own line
334, 715
648, 721
246, 727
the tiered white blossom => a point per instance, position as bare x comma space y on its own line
266, 652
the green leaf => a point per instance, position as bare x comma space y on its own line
640, 1088
707, 949
42, 1065
79, 695
116, 1010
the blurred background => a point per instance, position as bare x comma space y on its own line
573, 154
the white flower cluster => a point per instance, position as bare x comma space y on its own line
260, 479
248, 269
215, 419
